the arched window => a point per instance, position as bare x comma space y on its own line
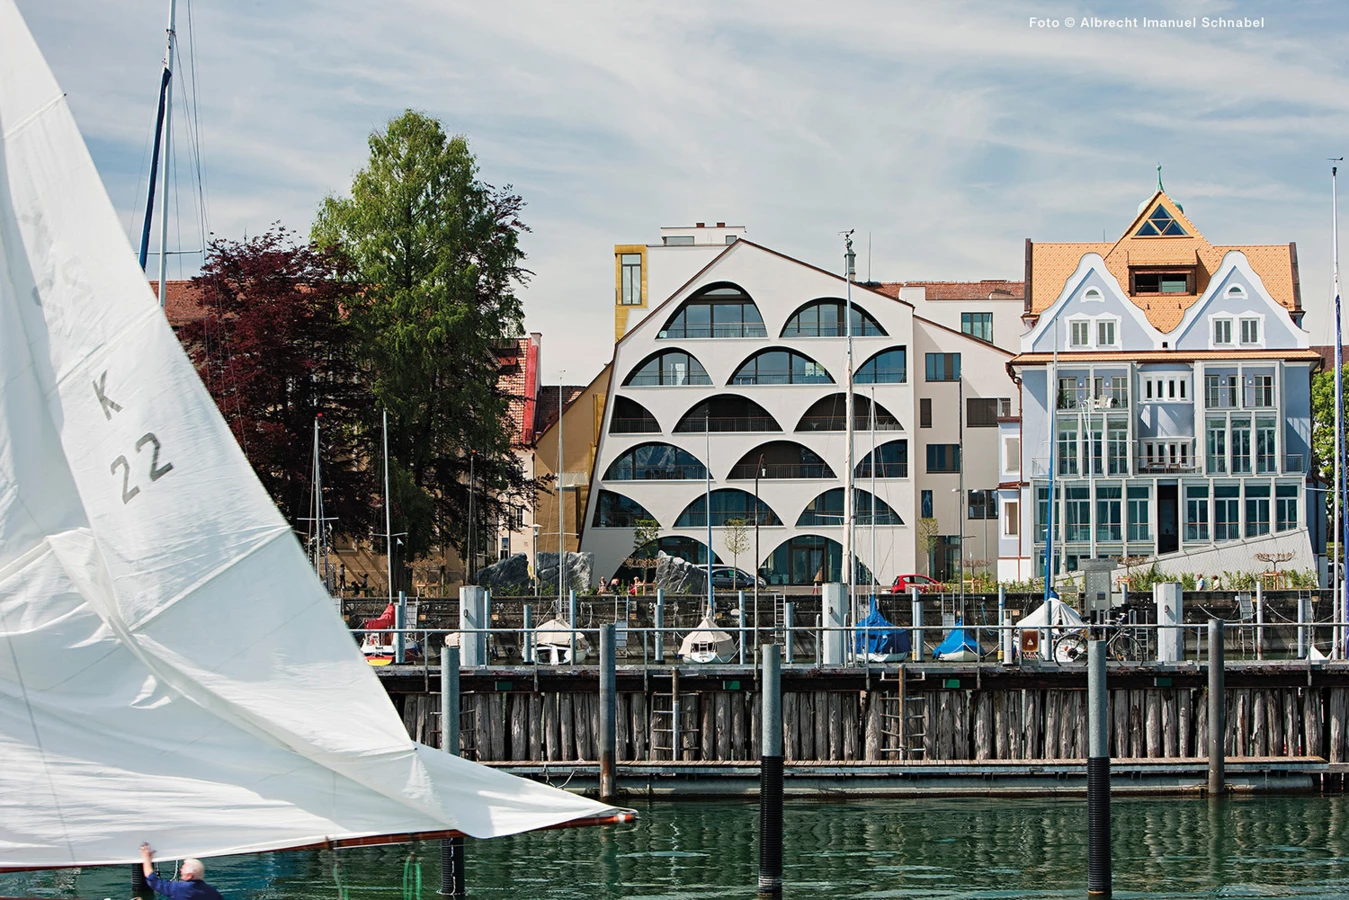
824, 318
631, 417
655, 462
718, 311
830, 414
827, 510
809, 559
1236, 292
727, 504
887, 367
613, 510
1092, 295
892, 461
780, 367
781, 459
726, 413
668, 368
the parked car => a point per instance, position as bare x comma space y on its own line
926, 585
732, 579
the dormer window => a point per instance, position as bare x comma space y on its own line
1222, 331
1161, 281
1161, 224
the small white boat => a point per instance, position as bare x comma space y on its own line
552, 644
707, 644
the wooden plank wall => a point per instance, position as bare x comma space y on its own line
852, 725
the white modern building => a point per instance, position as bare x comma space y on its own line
1166, 381
729, 376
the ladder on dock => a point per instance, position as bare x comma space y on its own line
904, 723
674, 723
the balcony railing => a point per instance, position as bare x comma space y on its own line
1175, 455
695, 425
783, 470
634, 425
1107, 398
729, 330
836, 423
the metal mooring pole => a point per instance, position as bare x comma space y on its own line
1098, 773
1217, 708
608, 720
660, 625
451, 849
770, 777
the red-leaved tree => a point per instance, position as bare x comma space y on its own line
274, 350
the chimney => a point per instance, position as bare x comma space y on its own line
721, 224
700, 225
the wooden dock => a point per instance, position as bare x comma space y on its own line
896, 729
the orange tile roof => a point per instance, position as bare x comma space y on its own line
1050, 266
183, 303
958, 290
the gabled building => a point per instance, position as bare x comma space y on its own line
1166, 381
735, 368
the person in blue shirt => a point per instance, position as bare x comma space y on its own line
189, 885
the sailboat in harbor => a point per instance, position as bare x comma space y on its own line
171, 670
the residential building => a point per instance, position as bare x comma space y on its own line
989, 310
731, 384
1166, 381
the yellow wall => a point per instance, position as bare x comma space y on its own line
580, 432
620, 310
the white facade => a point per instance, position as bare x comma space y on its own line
803, 444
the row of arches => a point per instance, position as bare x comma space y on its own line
800, 559
771, 366
728, 505
731, 413
726, 310
656, 461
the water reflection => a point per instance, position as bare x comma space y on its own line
941, 848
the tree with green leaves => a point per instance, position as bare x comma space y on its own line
437, 253
737, 539
645, 532
1323, 422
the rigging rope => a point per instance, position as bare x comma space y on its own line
342, 893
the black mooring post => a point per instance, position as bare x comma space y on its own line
1217, 709
138, 885
451, 849
770, 777
1098, 773
608, 718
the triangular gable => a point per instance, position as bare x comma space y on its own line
1169, 222
1218, 285
1090, 262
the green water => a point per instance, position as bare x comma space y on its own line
934, 849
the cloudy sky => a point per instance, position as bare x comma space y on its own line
949, 132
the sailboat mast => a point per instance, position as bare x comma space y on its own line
1051, 394
388, 516
874, 583
707, 491
849, 266
167, 155
1341, 556
321, 544
561, 507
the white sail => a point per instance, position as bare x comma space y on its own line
171, 670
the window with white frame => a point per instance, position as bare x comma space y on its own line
1236, 292
1079, 334
1011, 455
1011, 518
1222, 331
1105, 333
1093, 295
1168, 388
1250, 331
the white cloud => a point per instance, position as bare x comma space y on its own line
949, 132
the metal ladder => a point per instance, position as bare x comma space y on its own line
665, 737
904, 721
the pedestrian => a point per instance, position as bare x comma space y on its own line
190, 884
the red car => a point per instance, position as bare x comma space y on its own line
925, 585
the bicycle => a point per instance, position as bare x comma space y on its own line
1071, 646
